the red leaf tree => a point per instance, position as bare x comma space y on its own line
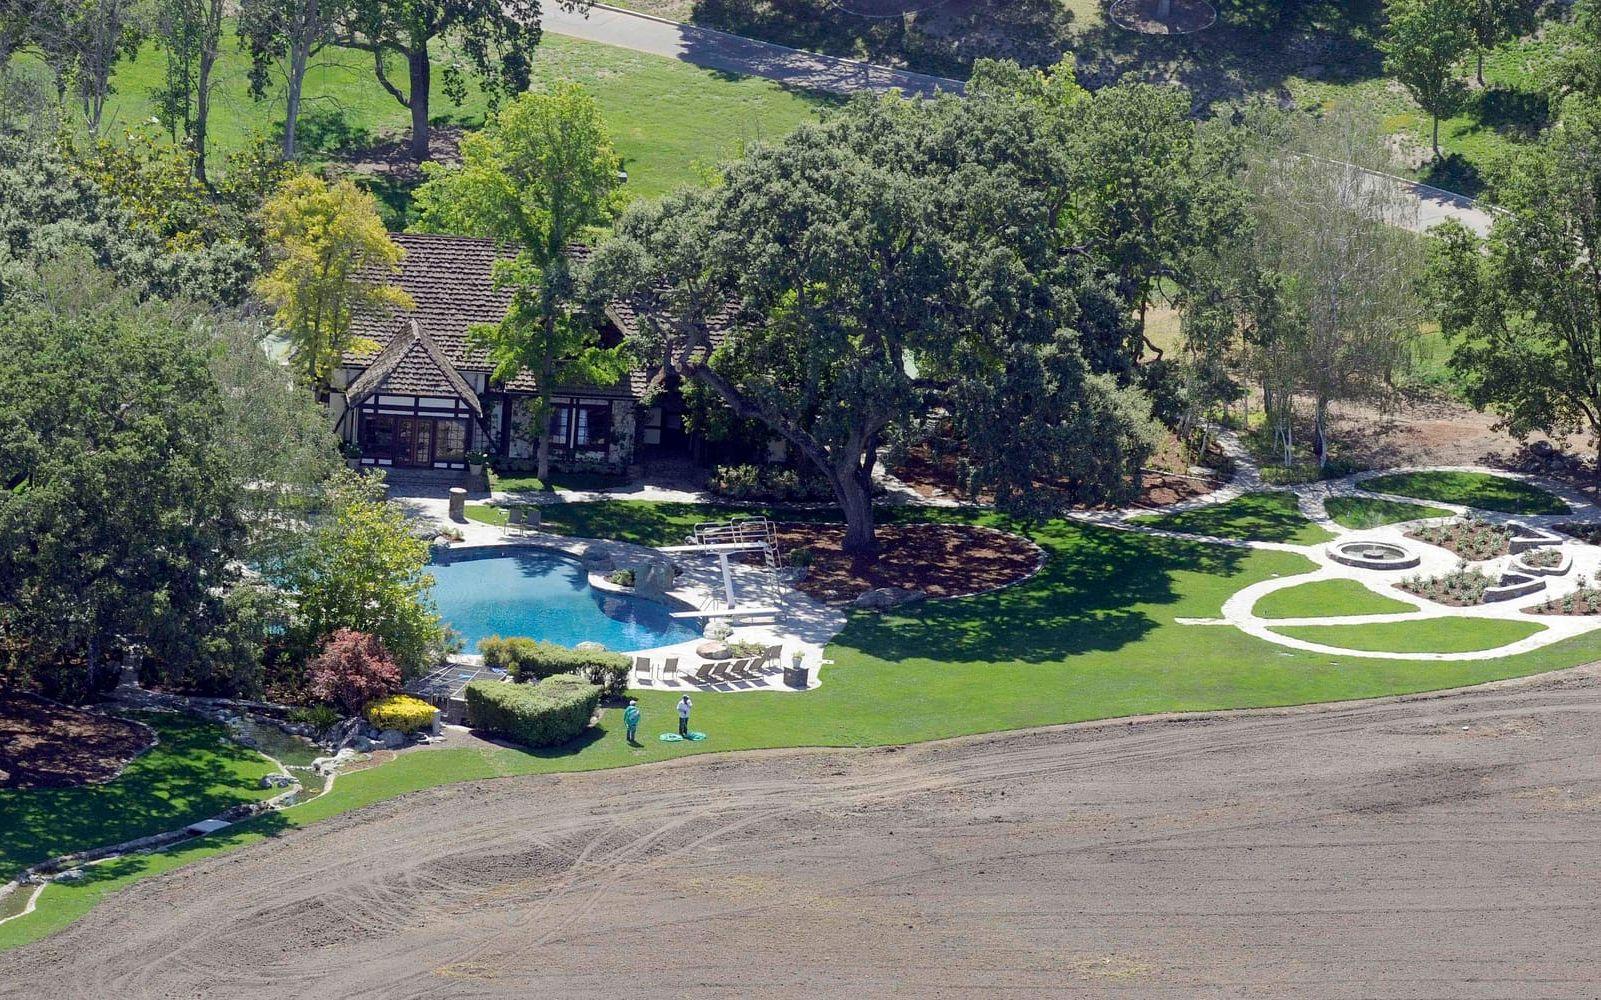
352, 669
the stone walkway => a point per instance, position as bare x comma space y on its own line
1238, 610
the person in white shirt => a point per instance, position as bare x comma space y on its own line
683, 715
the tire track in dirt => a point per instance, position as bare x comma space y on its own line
1365, 851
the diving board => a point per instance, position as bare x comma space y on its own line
727, 613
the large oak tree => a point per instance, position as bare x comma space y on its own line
898, 236
495, 39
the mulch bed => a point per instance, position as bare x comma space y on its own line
942, 560
52, 746
934, 475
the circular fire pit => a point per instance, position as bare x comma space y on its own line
1373, 555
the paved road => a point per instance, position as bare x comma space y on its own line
812, 71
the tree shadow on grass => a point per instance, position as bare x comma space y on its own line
193, 773
1092, 596
1266, 517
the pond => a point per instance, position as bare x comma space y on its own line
544, 595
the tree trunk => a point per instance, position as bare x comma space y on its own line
421, 80
1481, 67
1436, 137
1164, 9
298, 57
856, 502
1320, 443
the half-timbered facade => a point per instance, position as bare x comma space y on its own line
417, 393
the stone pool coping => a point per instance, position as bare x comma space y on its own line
802, 622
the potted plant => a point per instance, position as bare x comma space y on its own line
476, 460
351, 451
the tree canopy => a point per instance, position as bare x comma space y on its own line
541, 175
330, 249
1523, 309
1424, 48
493, 38
894, 237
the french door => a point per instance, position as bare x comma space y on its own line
414, 441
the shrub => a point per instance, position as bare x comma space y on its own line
547, 714
318, 717
621, 577
402, 712
749, 482
532, 660
352, 669
800, 557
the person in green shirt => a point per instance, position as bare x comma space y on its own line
631, 719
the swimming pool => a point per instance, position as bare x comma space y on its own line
544, 595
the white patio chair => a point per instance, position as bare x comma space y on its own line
642, 668
670, 669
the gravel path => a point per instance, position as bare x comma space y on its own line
1428, 847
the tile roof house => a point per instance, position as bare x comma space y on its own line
421, 395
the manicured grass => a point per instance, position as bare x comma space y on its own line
1470, 489
193, 772
1328, 598
558, 482
1434, 635
1265, 517
671, 122
1091, 636
1359, 513
485, 513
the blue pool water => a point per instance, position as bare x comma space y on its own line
543, 595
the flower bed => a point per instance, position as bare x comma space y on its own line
1543, 558
1471, 538
1460, 589
1586, 600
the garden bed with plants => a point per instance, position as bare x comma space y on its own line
1463, 588
45, 745
934, 474
1469, 538
941, 560
1585, 600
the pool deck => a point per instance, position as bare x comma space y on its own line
801, 623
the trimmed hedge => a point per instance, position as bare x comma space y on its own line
402, 712
531, 660
547, 714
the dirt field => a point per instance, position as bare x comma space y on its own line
1441, 847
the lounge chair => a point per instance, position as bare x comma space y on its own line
706, 671
670, 669
740, 668
642, 668
772, 656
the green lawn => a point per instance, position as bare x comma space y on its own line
1265, 517
1359, 513
1470, 489
671, 122
1434, 635
1511, 109
1091, 636
558, 482
193, 772
1328, 598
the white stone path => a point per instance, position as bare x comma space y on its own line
811, 626
1238, 610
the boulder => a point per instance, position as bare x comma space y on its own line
884, 598
653, 578
276, 781
391, 739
